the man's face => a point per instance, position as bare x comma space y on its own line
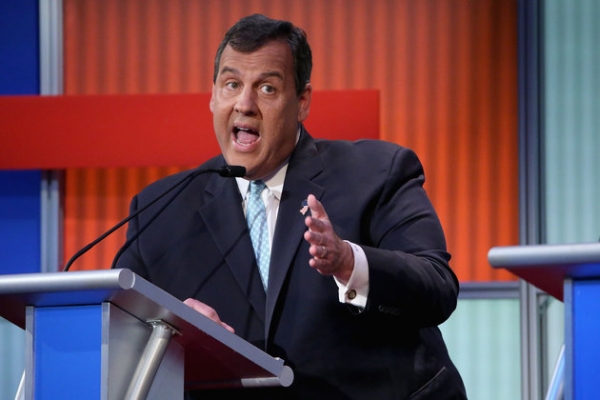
255, 107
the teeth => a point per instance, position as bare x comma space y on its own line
245, 136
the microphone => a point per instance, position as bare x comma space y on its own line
226, 171
230, 171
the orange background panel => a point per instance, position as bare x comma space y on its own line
446, 71
57, 132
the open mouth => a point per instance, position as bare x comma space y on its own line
245, 136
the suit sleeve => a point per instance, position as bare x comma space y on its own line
409, 273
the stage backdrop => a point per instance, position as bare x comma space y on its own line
446, 71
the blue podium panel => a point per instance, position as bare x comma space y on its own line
68, 352
583, 305
569, 272
108, 334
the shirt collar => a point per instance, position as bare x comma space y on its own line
274, 183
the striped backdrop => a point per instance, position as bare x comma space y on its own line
446, 71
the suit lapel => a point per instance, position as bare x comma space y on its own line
222, 213
289, 231
224, 218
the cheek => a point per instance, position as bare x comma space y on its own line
285, 140
220, 118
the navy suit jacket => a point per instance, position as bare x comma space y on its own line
200, 247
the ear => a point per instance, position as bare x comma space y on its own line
304, 103
211, 105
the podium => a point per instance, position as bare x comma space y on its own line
570, 273
110, 334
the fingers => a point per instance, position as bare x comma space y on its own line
320, 232
326, 248
316, 208
317, 223
322, 253
321, 262
330, 254
321, 237
208, 312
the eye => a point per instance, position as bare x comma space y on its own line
232, 85
267, 89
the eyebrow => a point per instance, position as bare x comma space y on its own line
264, 75
229, 69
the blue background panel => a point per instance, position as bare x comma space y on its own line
19, 190
19, 47
20, 213
20, 216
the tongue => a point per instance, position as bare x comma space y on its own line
245, 137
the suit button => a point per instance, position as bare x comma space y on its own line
351, 294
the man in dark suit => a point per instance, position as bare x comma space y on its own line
358, 277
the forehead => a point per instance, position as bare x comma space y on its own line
275, 56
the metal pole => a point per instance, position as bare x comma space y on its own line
20, 395
556, 391
150, 360
531, 185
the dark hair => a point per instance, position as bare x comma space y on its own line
252, 32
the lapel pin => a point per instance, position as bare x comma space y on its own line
304, 208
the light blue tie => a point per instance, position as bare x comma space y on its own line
256, 217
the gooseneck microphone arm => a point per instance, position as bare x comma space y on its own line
129, 241
229, 171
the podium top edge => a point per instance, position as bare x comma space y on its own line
67, 281
544, 255
134, 295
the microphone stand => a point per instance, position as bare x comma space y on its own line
224, 171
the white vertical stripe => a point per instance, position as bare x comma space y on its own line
51, 83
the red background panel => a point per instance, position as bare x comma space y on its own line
58, 132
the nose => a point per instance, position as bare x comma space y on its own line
246, 102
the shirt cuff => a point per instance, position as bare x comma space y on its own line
356, 291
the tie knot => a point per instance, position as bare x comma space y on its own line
256, 187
